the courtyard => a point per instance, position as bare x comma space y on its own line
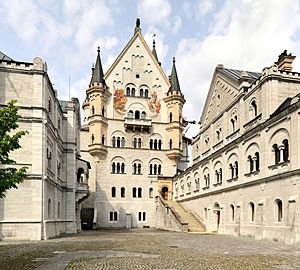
148, 249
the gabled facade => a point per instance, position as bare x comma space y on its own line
133, 145
48, 202
246, 161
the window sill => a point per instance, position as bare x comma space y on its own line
252, 173
196, 190
217, 184
181, 195
204, 188
233, 179
188, 193
279, 165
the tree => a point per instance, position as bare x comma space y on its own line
9, 176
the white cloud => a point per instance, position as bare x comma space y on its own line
161, 47
176, 24
154, 12
251, 40
204, 7
106, 42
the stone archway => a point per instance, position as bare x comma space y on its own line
217, 212
165, 192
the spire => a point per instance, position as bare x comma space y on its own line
93, 70
174, 79
137, 26
97, 71
153, 49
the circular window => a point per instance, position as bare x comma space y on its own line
137, 76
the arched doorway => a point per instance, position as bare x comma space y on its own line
164, 193
217, 212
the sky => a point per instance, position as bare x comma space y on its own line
240, 34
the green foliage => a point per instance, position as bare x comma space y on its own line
9, 176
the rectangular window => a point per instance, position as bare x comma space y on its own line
142, 216
113, 216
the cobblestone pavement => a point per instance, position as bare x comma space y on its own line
149, 249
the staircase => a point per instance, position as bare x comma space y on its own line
194, 224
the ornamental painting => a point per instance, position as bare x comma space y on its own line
120, 101
154, 103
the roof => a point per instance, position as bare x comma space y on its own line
285, 104
236, 74
97, 72
174, 79
5, 57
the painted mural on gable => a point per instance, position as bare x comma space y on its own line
154, 103
120, 101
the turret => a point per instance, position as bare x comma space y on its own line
95, 108
174, 100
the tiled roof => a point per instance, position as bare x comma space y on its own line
5, 57
236, 74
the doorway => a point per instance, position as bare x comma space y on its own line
164, 193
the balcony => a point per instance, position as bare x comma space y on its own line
98, 150
82, 191
174, 154
137, 124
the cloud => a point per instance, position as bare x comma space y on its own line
176, 24
204, 7
241, 37
161, 47
154, 12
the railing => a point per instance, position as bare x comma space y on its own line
138, 122
172, 216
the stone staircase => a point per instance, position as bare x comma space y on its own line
194, 224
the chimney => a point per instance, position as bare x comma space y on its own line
285, 61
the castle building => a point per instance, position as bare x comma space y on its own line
47, 203
133, 137
245, 175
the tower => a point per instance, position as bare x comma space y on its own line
95, 109
174, 101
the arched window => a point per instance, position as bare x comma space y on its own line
113, 167
130, 114
118, 142
150, 172
118, 167
133, 92
137, 115
139, 143
141, 92
103, 111
134, 192
254, 107
171, 117
128, 91
49, 208
250, 163
93, 110
113, 141
159, 169
151, 144
139, 192
278, 210
236, 168
103, 139
257, 161
232, 124
123, 168
159, 144
170, 143
58, 209
205, 213
155, 169
135, 143
134, 168
113, 192
146, 93
155, 144
231, 169
150, 192
285, 150
251, 211
123, 142
143, 115
93, 138
232, 212
122, 192
277, 153
139, 168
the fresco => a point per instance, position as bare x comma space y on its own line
154, 103
120, 101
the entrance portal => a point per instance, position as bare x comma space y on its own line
164, 193
217, 212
